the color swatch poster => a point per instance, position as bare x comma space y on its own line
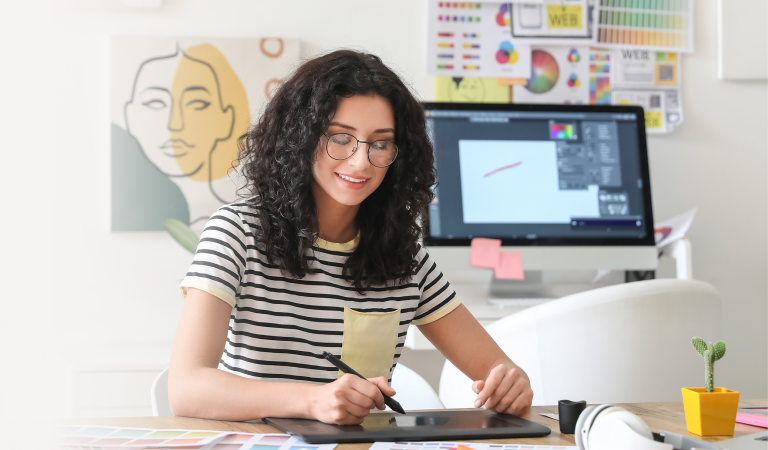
559, 75
654, 25
560, 22
178, 106
474, 39
650, 79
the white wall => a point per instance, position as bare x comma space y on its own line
75, 291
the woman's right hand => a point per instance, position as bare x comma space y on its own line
348, 400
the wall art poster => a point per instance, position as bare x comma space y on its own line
177, 109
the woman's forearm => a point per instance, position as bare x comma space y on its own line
211, 393
467, 345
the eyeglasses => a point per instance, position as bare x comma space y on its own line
341, 146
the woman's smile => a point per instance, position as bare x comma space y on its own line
351, 182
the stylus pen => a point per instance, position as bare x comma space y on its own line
389, 401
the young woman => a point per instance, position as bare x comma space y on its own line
324, 256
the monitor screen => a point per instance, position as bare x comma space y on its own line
539, 174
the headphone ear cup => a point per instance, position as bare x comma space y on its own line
590, 415
580, 424
634, 422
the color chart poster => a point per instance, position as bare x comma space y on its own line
474, 40
178, 106
653, 25
650, 79
560, 74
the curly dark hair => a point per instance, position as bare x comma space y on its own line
278, 152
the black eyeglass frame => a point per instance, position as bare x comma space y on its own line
328, 140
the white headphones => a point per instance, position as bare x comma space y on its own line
608, 427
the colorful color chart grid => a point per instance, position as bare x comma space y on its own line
136, 437
599, 77
652, 24
91, 438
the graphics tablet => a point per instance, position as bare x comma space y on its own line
414, 426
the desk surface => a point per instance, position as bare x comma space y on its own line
658, 416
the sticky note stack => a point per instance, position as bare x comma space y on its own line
487, 254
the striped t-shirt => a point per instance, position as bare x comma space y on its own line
280, 326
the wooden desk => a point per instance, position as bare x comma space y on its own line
658, 416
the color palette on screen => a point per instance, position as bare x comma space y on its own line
646, 23
135, 437
561, 131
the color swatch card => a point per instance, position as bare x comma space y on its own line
246, 441
657, 25
95, 437
108, 437
474, 39
462, 446
559, 22
559, 75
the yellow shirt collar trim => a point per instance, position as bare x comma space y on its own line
335, 246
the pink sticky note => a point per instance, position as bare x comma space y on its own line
510, 266
485, 253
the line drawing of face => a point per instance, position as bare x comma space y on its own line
178, 116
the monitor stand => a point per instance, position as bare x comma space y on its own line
550, 284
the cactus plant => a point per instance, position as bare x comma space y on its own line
711, 353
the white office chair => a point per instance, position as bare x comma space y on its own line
625, 343
413, 392
161, 406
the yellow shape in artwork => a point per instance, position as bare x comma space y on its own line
470, 90
210, 112
568, 17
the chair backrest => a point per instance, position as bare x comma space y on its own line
623, 343
161, 406
413, 392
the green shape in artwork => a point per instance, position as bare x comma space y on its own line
142, 196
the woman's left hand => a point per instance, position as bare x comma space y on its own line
504, 391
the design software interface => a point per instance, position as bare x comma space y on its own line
532, 175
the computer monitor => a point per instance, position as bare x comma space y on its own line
566, 185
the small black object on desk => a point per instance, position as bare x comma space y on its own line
569, 412
389, 401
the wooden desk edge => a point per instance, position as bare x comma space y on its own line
668, 416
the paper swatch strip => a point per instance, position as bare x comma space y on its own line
95, 437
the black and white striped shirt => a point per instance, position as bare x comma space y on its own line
280, 326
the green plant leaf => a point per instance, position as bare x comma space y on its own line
719, 350
699, 345
182, 234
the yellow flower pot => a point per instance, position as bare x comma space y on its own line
710, 413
